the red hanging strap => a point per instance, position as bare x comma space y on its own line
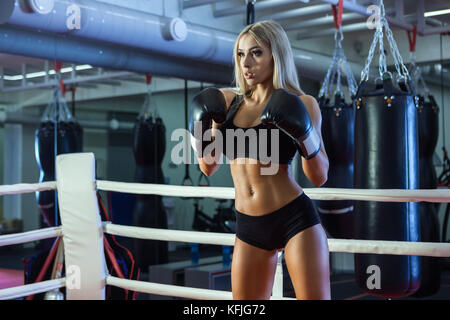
412, 38
63, 87
50, 258
148, 78
57, 66
337, 14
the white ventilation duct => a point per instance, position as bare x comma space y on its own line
113, 25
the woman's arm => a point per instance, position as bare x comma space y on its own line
316, 168
207, 163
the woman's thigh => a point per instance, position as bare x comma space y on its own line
307, 259
252, 271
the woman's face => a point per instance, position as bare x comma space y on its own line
255, 60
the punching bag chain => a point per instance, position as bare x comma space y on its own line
442, 95
338, 63
378, 39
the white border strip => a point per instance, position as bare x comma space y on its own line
34, 288
169, 290
215, 238
174, 291
429, 249
335, 245
27, 188
17, 238
385, 195
166, 190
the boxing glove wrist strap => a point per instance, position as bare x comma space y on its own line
310, 145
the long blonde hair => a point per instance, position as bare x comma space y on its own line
272, 35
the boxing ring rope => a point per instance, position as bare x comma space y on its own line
27, 188
30, 236
384, 195
30, 289
82, 230
335, 245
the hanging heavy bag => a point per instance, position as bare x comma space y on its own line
149, 148
337, 134
145, 150
67, 142
428, 129
78, 132
386, 157
45, 157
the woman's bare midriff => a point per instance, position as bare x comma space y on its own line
257, 194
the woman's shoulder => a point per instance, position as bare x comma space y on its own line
311, 105
229, 94
308, 99
310, 102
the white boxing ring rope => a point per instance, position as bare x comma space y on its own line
82, 230
25, 237
385, 195
431, 249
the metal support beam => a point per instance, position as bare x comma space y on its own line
47, 70
328, 32
260, 6
196, 3
420, 16
73, 73
77, 80
299, 12
2, 72
24, 74
437, 30
399, 10
320, 21
363, 11
399, 23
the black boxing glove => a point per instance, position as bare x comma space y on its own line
206, 106
287, 112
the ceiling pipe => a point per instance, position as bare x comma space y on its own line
196, 3
124, 39
133, 28
61, 47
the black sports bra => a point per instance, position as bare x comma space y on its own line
260, 142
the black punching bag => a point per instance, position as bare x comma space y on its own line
45, 157
428, 124
386, 157
149, 149
78, 132
337, 135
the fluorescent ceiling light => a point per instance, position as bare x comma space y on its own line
302, 56
42, 73
437, 13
